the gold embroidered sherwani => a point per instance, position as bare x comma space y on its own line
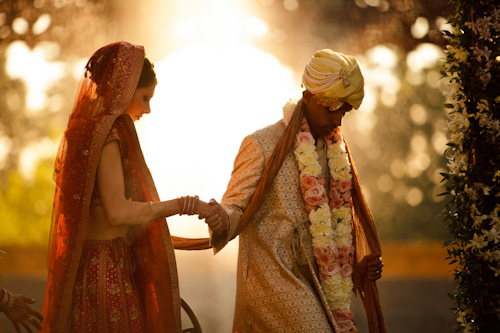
278, 289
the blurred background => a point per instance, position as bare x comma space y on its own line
225, 69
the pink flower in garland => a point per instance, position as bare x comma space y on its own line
344, 321
344, 185
337, 136
326, 271
315, 196
313, 200
318, 190
333, 250
320, 251
305, 126
309, 208
345, 326
347, 252
303, 137
336, 203
343, 257
346, 270
342, 315
334, 193
346, 196
325, 259
351, 255
308, 182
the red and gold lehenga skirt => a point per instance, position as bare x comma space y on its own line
105, 298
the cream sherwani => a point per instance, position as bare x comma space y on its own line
278, 289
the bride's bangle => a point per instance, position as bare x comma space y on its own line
188, 205
7, 301
196, 204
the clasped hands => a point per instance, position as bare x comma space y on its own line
215, 216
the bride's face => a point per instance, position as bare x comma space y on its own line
140, 102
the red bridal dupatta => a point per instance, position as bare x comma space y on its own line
106, 88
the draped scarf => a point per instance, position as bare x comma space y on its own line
105, 90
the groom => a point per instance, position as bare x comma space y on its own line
307, 237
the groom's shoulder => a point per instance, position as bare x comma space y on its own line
271, 132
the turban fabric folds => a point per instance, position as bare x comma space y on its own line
334, 78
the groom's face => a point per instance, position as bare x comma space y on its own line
321, 120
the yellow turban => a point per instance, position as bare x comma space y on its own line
334, 78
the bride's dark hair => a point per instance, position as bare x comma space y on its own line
148, 75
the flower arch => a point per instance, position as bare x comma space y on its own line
473, 181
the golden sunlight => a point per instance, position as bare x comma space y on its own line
35, 68
425, 56
215, 89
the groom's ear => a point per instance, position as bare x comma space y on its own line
306, 96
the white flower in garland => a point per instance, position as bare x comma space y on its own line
288, 110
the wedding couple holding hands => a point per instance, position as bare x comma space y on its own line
307, 239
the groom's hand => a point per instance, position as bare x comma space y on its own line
215, 216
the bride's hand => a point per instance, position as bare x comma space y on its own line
215, 216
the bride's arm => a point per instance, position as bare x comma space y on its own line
119, 210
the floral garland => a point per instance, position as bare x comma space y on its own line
330, 217
473, 180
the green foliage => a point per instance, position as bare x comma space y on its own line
473, 182
26, 207
26, 204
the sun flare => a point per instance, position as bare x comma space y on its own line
207, 100
213, 90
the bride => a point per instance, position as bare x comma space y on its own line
111, 260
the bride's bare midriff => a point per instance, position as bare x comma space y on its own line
99, 228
